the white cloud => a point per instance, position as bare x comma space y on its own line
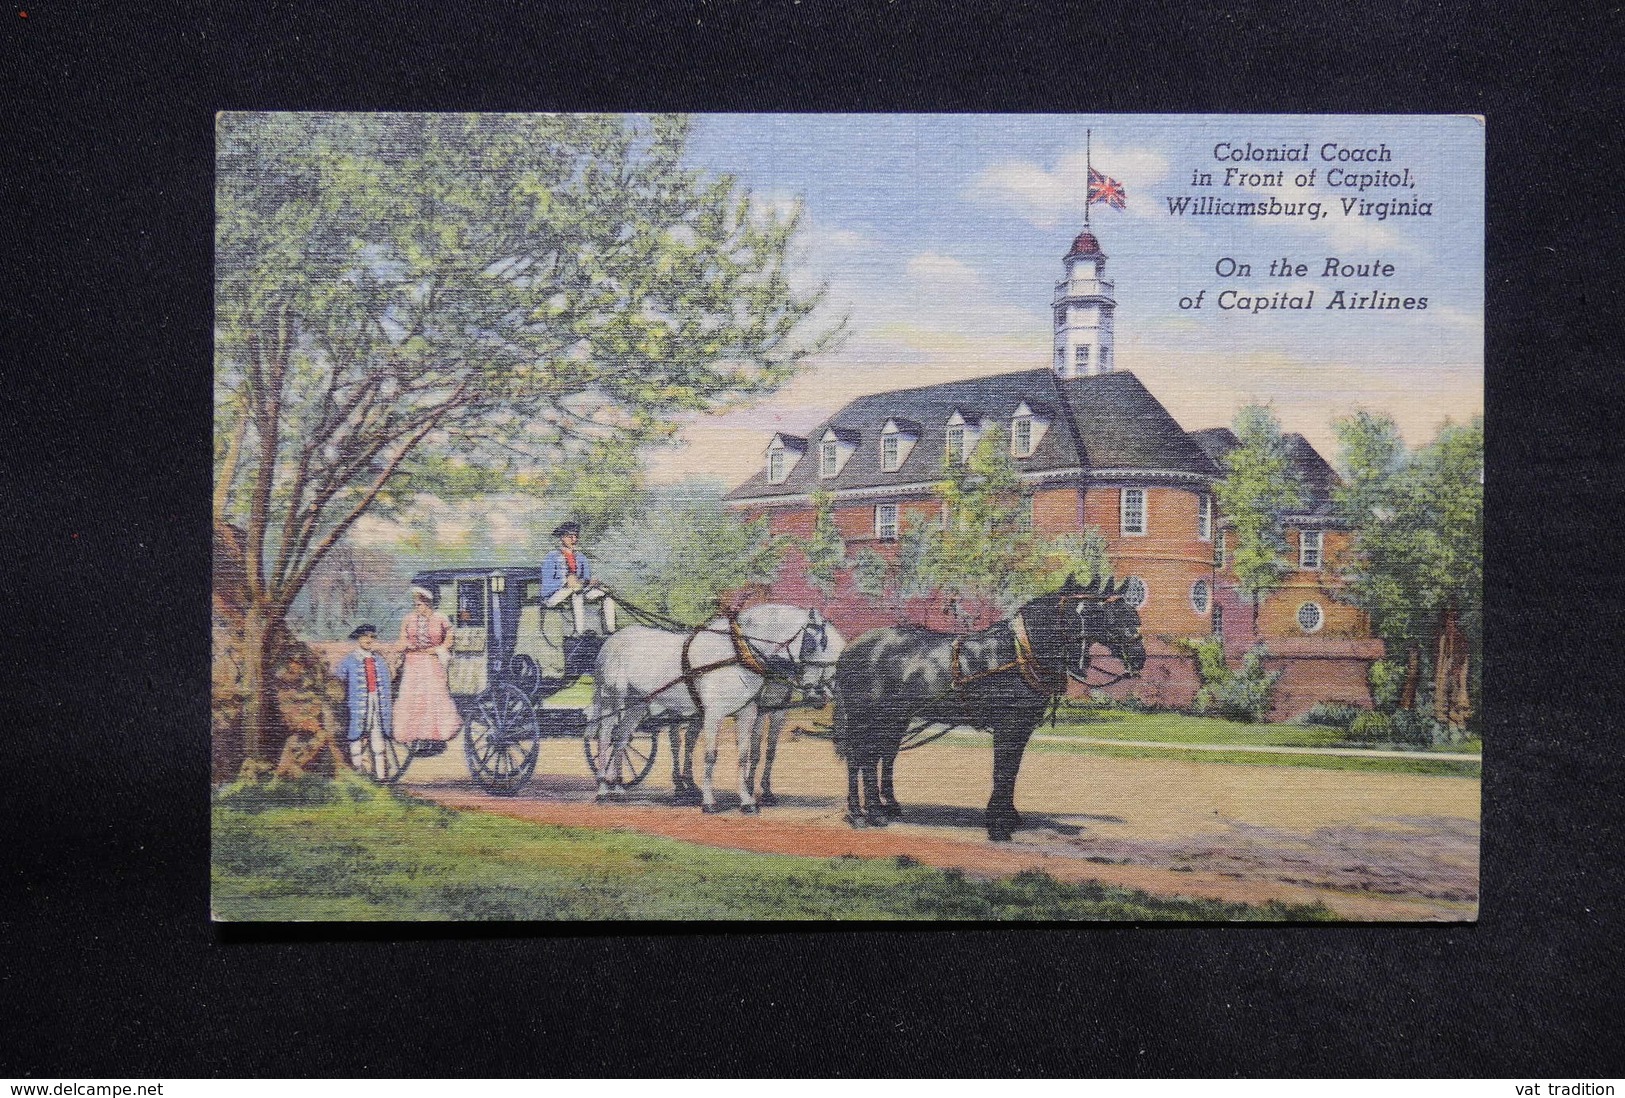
1050, 197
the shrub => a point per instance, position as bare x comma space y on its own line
1332, 715
1238, 695
1403, 727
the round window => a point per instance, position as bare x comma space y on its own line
1310, 619
1134, 592
1200, 596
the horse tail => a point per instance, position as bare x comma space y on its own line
840, 734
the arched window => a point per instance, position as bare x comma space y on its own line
1135, 592
1310, 617
1201, 596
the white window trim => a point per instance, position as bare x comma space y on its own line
1032, 439
896, 521
1207, 597
956, 454
1204, 517
1304, 537
1221, 550
890, 464
1320, 617
829, 460
1122, 514
777, 455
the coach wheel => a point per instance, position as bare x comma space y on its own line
636, 759
502, 739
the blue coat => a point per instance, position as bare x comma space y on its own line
553, 572
354, 675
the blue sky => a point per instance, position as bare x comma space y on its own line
940, 237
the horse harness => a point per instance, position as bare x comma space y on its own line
743, 656
1025, 664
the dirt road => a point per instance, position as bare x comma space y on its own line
1369, 846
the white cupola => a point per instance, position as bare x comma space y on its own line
1083, 312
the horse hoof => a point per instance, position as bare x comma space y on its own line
749, 809
878, 819
1000, 836
893, 810
767, 799
858, 822
601, 798
710, 809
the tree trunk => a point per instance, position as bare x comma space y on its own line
1450, 705
1413, 673
226, 474
259, 706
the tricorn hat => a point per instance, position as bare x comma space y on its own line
364, 631
567, 528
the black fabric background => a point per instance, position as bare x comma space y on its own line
109, 965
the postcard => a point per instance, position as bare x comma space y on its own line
848, 517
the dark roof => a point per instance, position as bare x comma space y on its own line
1105, 422
1215, 442
1120, 425
1318, 477
843, 433
790, 442
904, 425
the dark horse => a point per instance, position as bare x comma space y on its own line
1000, 680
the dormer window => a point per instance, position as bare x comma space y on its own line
954, 444
897, 439
1060, 318
1021, 435
836, 445
1083, 358
782, 455
1027, 426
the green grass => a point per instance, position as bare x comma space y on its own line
347, 851
1117, 724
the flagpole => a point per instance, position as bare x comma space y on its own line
1088, 169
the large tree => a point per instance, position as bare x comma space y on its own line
1260, 487
985, 546
420, 302
1417, 567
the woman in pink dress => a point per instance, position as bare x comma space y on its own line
425, 715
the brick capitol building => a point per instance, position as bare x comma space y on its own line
1095, 448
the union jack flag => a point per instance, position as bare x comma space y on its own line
1109, 191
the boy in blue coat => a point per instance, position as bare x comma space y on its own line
366, 678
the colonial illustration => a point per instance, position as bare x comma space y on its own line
847, 517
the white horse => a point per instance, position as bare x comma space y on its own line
717, 671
